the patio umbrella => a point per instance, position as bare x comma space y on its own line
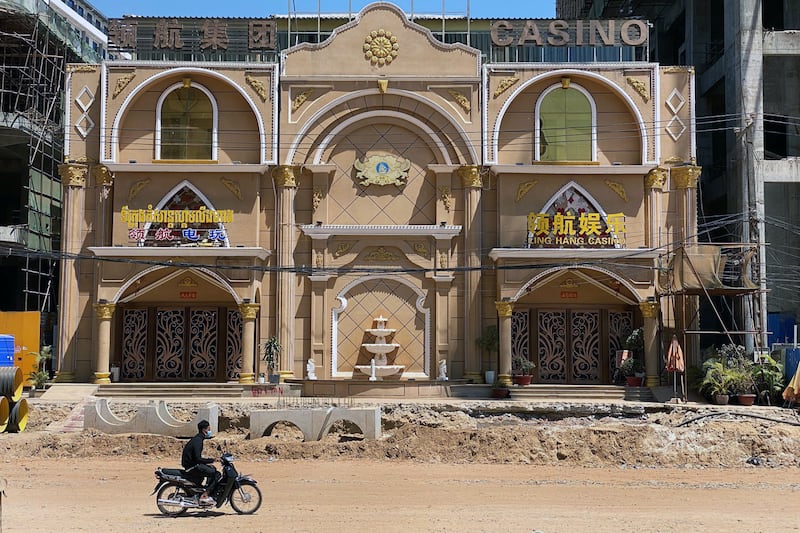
676, 365
793, 388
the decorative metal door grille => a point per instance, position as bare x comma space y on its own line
520, 334
233, 345
552, 346
134, 344
170, 348
620, 325
203, 344
585, 346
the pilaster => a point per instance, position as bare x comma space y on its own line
472, 182
286, 182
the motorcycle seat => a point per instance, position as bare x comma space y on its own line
173, 473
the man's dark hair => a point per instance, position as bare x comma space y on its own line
203, 424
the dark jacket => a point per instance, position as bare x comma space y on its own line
193, 452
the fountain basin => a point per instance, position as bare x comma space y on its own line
381, 371
380, 348
381, 332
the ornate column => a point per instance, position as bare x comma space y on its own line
104, 312
249, 351
286, 182
472, 182
504, 310
73, 178
650, 311
654, 184
685, 180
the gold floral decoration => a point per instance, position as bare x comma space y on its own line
504, 85
301, 99
316, 198
342, 249
123, 82
446, 197
137, 187
523, 189
640, 88
258, 86
420, 249
232, 186
462, 100
617, 188
380, 47
382, 254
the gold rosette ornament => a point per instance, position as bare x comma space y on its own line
380, 47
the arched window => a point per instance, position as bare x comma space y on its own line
565, 119
186, 124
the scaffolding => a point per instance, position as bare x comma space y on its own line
35, 46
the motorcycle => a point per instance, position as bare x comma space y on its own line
178, 492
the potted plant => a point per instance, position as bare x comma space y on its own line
742, 386
489, 341
500, 389
634, 343
271, 352
716, 381
521, 368
632, 369
767, 375
40, 376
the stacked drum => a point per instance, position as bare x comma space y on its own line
13, 407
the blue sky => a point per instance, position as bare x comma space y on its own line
530, 9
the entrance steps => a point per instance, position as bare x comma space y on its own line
170, 390
639, 394
543, 392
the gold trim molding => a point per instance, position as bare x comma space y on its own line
300, 99
122, 82
656, 178
104, 311
284, 176
504, 309
504, 85
380, 47
460, 99
649, 309
257, 86
470, 176
73, 174
523, 189
686, 177
618, 188
232, 186
640, 87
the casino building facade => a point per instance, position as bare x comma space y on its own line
378, 174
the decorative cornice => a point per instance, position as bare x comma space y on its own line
504, 85
617, 188
122, 82
460, 99
656, 179
102, 175
232, 186
523, 189
649, 309
249, 311
686, 177
104, 311
504, 309
284, 176
640, 87
73, 174
470, 176
301, 99
257, 86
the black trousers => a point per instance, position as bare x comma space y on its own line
205, 472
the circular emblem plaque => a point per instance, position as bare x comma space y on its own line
380, 47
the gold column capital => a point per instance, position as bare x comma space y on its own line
284, 176
249, 311
656, 178
73, 174
470, 176
686, 177
504, 309
104, 311
102, 175
649, 309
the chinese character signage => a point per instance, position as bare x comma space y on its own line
566, 229
164, 227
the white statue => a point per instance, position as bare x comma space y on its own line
310, 367
442, 370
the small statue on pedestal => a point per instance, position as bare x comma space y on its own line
442, 370
310, 368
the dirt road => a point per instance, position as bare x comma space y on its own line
99, 495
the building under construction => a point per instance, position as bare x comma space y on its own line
37, 40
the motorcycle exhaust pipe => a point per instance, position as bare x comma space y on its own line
181, 503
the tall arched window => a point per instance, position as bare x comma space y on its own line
186, 124
565, 119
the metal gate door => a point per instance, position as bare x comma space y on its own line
568, 346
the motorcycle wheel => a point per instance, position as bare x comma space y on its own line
171, 492
246, 499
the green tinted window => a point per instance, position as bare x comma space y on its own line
187, 122
565, 126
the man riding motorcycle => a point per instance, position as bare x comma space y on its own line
202, 468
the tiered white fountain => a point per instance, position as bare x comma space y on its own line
378, 367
